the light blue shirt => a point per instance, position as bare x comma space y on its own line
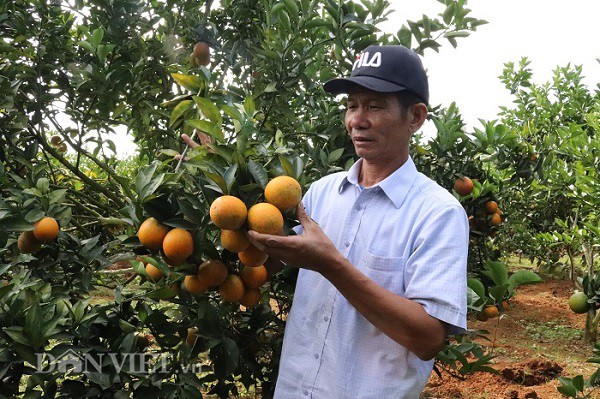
407, 234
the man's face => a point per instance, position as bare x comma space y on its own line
377, 126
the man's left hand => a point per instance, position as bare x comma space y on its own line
310, 250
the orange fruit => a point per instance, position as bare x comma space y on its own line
62, 148
252, 256
254, 277
265, 218
505, 305
46, 229
142, 340
496, 220
154, 273
234, 240
578, 303
491, 207
194, 285
463, 186
228, 212
152, 233
284, 192
491, 311
232, 289
212, 272
178, 245
201, 53
27, 243
471, 222
481, 316
251, 297
56, 139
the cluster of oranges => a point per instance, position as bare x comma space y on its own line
44, 230
464, 186
177, 244
231, 215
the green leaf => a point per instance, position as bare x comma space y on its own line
15, 224
449, 13
230, 176
230, 354
58, 196
334, 156
34, 215
456, 34
17, 335
189, 82
498, 292
523, 276
86, 45
249, 106
259, 173
477, 286
292, 7
97, 37
287, 166
179, 110
578, 382
568, 391
497, 272
405, 36
207, 127
102, 51
217, 179
43, 185
209, 110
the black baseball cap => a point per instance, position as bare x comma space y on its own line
385, 69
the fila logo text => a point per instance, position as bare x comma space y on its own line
364, 60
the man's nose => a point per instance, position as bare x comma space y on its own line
358, 119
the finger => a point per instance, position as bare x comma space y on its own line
255, 240
267, 240
302, 216
188, 140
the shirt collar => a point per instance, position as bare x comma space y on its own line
396, 186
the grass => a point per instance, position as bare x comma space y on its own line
552, 330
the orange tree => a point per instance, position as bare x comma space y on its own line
554, 190
73, 73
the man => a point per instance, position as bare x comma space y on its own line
382, 251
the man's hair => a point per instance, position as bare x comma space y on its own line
407, 99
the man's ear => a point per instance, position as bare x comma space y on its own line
417, 115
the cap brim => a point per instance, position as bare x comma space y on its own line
345, 85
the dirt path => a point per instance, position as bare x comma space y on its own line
536, 341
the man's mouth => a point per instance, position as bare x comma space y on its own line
361, 139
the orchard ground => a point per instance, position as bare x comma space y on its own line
536, 341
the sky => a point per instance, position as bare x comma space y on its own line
549, 33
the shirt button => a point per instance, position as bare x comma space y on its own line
358, 207
316, 355
346, 244
305, 392
325, 318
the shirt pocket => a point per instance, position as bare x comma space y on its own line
386, 271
